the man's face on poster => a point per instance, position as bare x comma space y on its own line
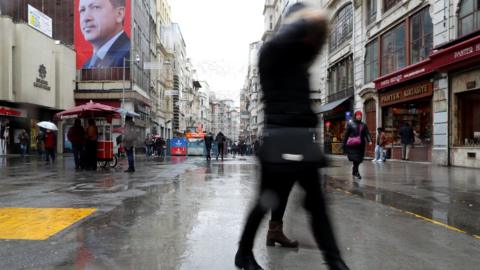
100, 20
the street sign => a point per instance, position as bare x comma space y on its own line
171, 93
152, 65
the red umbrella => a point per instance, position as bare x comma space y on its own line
90, 109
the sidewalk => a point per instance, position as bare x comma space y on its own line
449, 195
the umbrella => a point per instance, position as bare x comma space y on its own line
127, 113
90, 109
47, 125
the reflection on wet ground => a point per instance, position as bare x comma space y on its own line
188, 214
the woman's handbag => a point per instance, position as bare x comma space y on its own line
291, 146
356, 140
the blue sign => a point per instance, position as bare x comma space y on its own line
348, 116
178, 142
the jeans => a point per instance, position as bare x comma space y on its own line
50, 153
23, 149
379, 153
77, 153
276, 183
130, 157
406, 151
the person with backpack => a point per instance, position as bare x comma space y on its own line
76, 135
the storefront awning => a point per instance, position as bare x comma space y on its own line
332, 105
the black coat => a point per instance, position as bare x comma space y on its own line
284, 62
356, 153
406, 135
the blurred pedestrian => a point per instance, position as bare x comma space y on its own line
76, 135
220, 139
91, 145
208, 145
50, 142
380, 143
284, 62
149, 145
407, 138
129, 137
159, 143
354, 142
39, 141
24, 140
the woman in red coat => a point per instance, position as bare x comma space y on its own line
49, 142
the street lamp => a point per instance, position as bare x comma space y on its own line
137, 59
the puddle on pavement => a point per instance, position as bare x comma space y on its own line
455, 213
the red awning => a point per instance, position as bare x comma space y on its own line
460, 55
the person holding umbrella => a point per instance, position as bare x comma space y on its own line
49, 142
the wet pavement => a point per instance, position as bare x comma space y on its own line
188, 214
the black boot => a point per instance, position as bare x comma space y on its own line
337, 264
246, 261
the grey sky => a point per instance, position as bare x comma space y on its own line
217, 34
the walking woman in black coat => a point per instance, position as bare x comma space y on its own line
284, 63
354, 142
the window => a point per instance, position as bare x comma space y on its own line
393, 49
422, 36
341, 27
340, 79
468, 17
371, 11
388, 4
371, 61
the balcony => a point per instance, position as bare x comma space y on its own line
348, 92
103, 74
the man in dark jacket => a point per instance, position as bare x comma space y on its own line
221, 144
76, 135
284, 62
208, 144
407, 138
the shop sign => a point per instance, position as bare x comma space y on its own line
466, 50
405, 94
405, 74
12, 112
40, 82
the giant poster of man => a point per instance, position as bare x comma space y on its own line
102, 33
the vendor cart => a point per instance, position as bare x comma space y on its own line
103, 115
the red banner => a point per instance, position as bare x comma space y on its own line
98, 26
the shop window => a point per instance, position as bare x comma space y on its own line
468, 17
468, 127
421, 40
371, 11
388, 4
340, 80
371, 61
393, 50
341, 27
418, 114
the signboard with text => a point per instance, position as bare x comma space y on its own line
40, 21
412, 92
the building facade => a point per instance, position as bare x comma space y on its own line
33, 86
